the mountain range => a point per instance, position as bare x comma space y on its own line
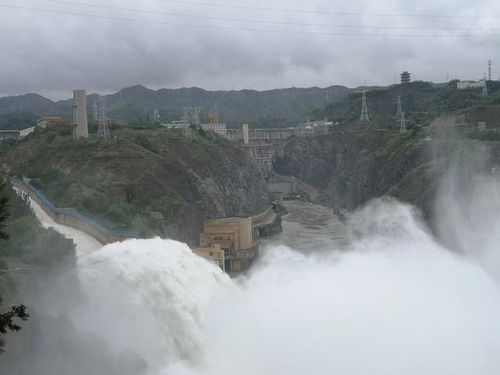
271, 108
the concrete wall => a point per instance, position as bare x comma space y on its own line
293, 186
72, 218
246, 134
213, 254
263, 217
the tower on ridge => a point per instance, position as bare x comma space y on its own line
364, 108
103, 129
399, 109
81, 129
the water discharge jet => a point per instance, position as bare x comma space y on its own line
397, 302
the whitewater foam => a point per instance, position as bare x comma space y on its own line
149, 296
398, 303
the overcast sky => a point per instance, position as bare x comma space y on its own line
55, 46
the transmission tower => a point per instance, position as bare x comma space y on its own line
402, 123
364, 107
399, 109
95, 111
156, 116
489, 70
103, 130
191, 115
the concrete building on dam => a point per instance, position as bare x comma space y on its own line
236, 236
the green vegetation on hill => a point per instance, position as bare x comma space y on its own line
28, 241
358, 160
152, 181
272, 108
422, 102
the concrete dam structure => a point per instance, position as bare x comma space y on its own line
264, 144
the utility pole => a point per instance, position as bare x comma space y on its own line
103, 129
489, 70
364, 108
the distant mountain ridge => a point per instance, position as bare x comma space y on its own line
271, 108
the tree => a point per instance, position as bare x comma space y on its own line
7, 319
4, 214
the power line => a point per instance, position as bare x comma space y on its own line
253, 21
213, 27
338, 13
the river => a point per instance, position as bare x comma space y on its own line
308, 228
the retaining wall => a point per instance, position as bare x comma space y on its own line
71, 217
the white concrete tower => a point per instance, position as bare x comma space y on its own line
80, 114
246, 134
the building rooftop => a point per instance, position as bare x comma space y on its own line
226, 219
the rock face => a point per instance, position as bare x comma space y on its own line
128, 181
351, 166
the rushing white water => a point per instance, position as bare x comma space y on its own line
85, 244
397, 302
149, 296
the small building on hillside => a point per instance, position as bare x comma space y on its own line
9, 134
314, 124
15, 134
177, 124
53, 121
236, 236
464, 85
217, 127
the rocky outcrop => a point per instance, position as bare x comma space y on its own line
153, 182
351, 166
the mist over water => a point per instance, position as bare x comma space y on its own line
398, 303
391, 300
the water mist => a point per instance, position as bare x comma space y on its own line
398, 301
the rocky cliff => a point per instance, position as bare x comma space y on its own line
155, 182
359, 161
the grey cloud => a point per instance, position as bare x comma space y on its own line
52, 54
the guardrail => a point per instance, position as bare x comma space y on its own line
71, 217
263, 217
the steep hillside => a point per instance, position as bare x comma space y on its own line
422, 101
358, 161
154, 182
272, 108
